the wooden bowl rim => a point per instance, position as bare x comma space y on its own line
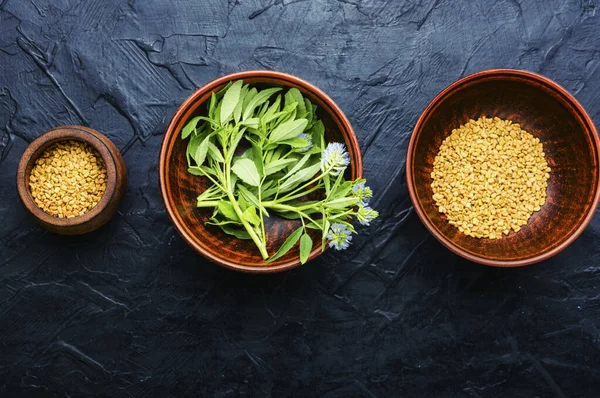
465, 81
348, 133
39, 145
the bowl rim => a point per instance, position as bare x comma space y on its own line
558, 89
170, 130
38, 146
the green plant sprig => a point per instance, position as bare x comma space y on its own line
264, 153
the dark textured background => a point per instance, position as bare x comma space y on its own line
130, 310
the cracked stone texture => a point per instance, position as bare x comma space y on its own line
130, 310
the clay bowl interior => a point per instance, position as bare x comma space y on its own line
180, 189
570, 142
115, 186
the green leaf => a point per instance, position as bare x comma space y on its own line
297, 167
218, 112
267, 184
250, 197
273, 155
278, 165
318, 133
257, 100
242, 203
289, 215
288, 130
295, 142
230, 100
219, 94
189, 127
252, 122
248, 154
281, 115
342, 203
226, 208
238, 233
232, 181
290, 112
262, 111
236, 140
344, 189
214, 153
287, 245
306, 244
300, 177
237, 111
337, 182
246, 171
200, 155
309, 111
258, 158
326, 226
212, 106
193, 145
274, 108
251, 216
249, 96
312, 225
267, 193
197, 170
212, 193
294, 95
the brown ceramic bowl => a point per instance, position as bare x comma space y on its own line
115, 186
180, 189
571, 144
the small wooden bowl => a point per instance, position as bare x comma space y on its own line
571, 144
180, 189
115, 186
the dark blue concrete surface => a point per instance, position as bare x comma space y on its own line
131, 311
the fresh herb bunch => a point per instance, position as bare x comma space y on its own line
287, 169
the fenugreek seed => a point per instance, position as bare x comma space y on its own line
56, 178
489, 177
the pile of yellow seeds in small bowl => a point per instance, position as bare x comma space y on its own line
68, 179
489, 177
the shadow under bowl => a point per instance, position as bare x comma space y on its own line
548, 112
180, 189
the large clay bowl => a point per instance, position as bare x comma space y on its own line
571, 144
180, 189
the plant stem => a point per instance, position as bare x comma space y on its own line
303, 186
209, 177
262, 221
286, 198
208, 203
282, 207
236, 207
279, 206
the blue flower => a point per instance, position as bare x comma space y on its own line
305, 137
365, 215
339, 236
335, 159
362, 192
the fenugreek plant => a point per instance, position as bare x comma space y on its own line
489, 177
264, 154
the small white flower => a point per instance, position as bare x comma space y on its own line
365, 215
335, 159
363, 193
306, 138
339, 236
